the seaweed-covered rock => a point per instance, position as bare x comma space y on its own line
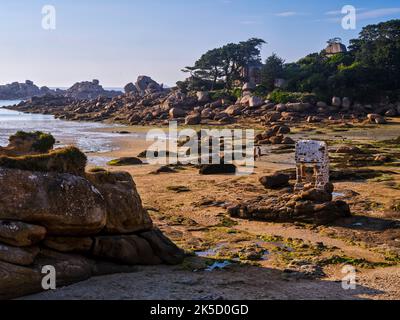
65, 160
125, 161
24, 143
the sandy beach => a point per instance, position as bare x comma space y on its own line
197, 221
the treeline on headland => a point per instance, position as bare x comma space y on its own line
369, 71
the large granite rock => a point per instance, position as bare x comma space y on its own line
125, 212
89, 90
130, 250
65, 204
145, 84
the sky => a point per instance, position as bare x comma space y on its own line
117, 40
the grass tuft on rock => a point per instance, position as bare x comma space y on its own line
64, 160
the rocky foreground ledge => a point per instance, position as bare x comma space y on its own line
84, 224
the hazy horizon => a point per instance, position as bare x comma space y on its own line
117, 41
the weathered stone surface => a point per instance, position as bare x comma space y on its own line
70, 268
276, 181
234, 110
18, 256
20, 234
289, 208
129, 249
69, 244
145, 83
125, 212
164, 248
65, 204
16, 281
316, 195
130, 88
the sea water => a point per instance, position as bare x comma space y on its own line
84, 135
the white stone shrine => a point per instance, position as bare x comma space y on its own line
312, 155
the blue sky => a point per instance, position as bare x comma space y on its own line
115, 41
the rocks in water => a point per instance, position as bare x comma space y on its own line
63, 203
125, 161
210, 169
124, 209
16, 91
20, 234
275, 181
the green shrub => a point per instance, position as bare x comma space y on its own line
278, 96
43, 142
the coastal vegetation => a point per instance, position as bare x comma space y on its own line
368, 71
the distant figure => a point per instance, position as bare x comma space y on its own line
257, 153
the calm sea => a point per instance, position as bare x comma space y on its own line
81, 134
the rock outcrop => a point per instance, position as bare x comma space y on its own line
89, 90
309, 205
82, 224
16, 91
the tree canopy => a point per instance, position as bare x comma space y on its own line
223, 65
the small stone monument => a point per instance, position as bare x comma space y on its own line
312, 155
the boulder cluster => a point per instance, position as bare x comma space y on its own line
16, 90
146, 102
79, 91
81, 223
309, 205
